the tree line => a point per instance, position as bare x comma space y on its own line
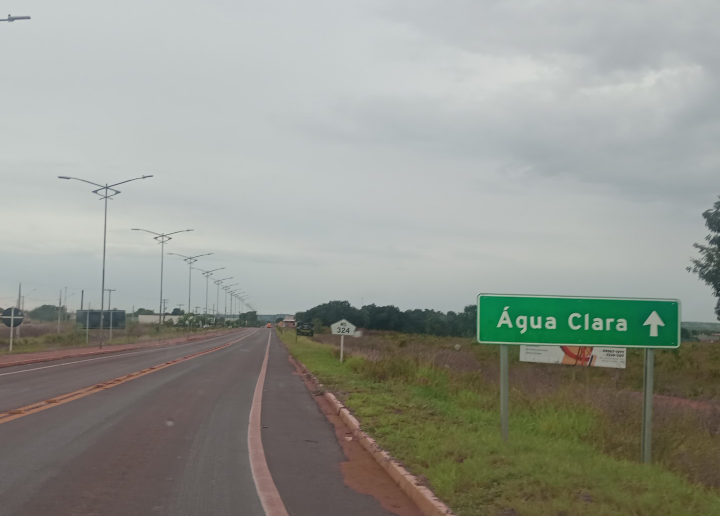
391, 318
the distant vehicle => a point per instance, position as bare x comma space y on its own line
305, 329
269, 325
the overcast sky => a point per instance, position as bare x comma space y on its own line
412, 152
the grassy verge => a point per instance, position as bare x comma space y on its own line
691, 371
72, 338
444, 426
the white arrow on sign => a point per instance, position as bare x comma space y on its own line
654, 321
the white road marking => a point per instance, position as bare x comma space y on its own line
164, 348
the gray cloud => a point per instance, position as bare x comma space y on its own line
414, 153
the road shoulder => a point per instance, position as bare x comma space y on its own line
318, 466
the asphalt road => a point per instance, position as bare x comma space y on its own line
171, 442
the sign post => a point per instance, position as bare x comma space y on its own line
648, 376
504, 393
575, 321
342, 328
13, 318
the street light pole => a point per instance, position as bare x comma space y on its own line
109, 191
242, 305
190, 260
12, 18
234, 295
218, 282
226, 288
207, 275
162, 239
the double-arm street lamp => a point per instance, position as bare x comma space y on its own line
243, 300
190, 260
235, 294
12, 18
226, 288
207, 275
105, 192
218, 283
162, 239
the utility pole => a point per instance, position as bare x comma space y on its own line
22, 302
66, 314
87, 325
17, 332
165, 302
59, 310
110, 291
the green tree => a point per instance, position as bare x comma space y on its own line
331, 312
144, 311
317, 326
177, 311
247, 319
45, 313
390, 318
707, 266
278, 320
437, 324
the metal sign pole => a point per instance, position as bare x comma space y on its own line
342, 346
504, 393
18, 305
12, 327
648, 375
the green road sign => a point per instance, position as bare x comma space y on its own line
576, 321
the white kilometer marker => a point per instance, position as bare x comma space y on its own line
654, 321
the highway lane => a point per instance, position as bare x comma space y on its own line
175, 442
31, 383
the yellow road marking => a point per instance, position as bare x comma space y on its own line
17, 413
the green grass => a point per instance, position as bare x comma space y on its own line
561, 458
73, 337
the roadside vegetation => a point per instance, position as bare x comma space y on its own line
45, 337
574, 446
40, 333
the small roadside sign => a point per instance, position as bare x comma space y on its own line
578, 321
12, 317
342, 328
575, 356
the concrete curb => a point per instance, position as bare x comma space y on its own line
94, 353
424, 498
